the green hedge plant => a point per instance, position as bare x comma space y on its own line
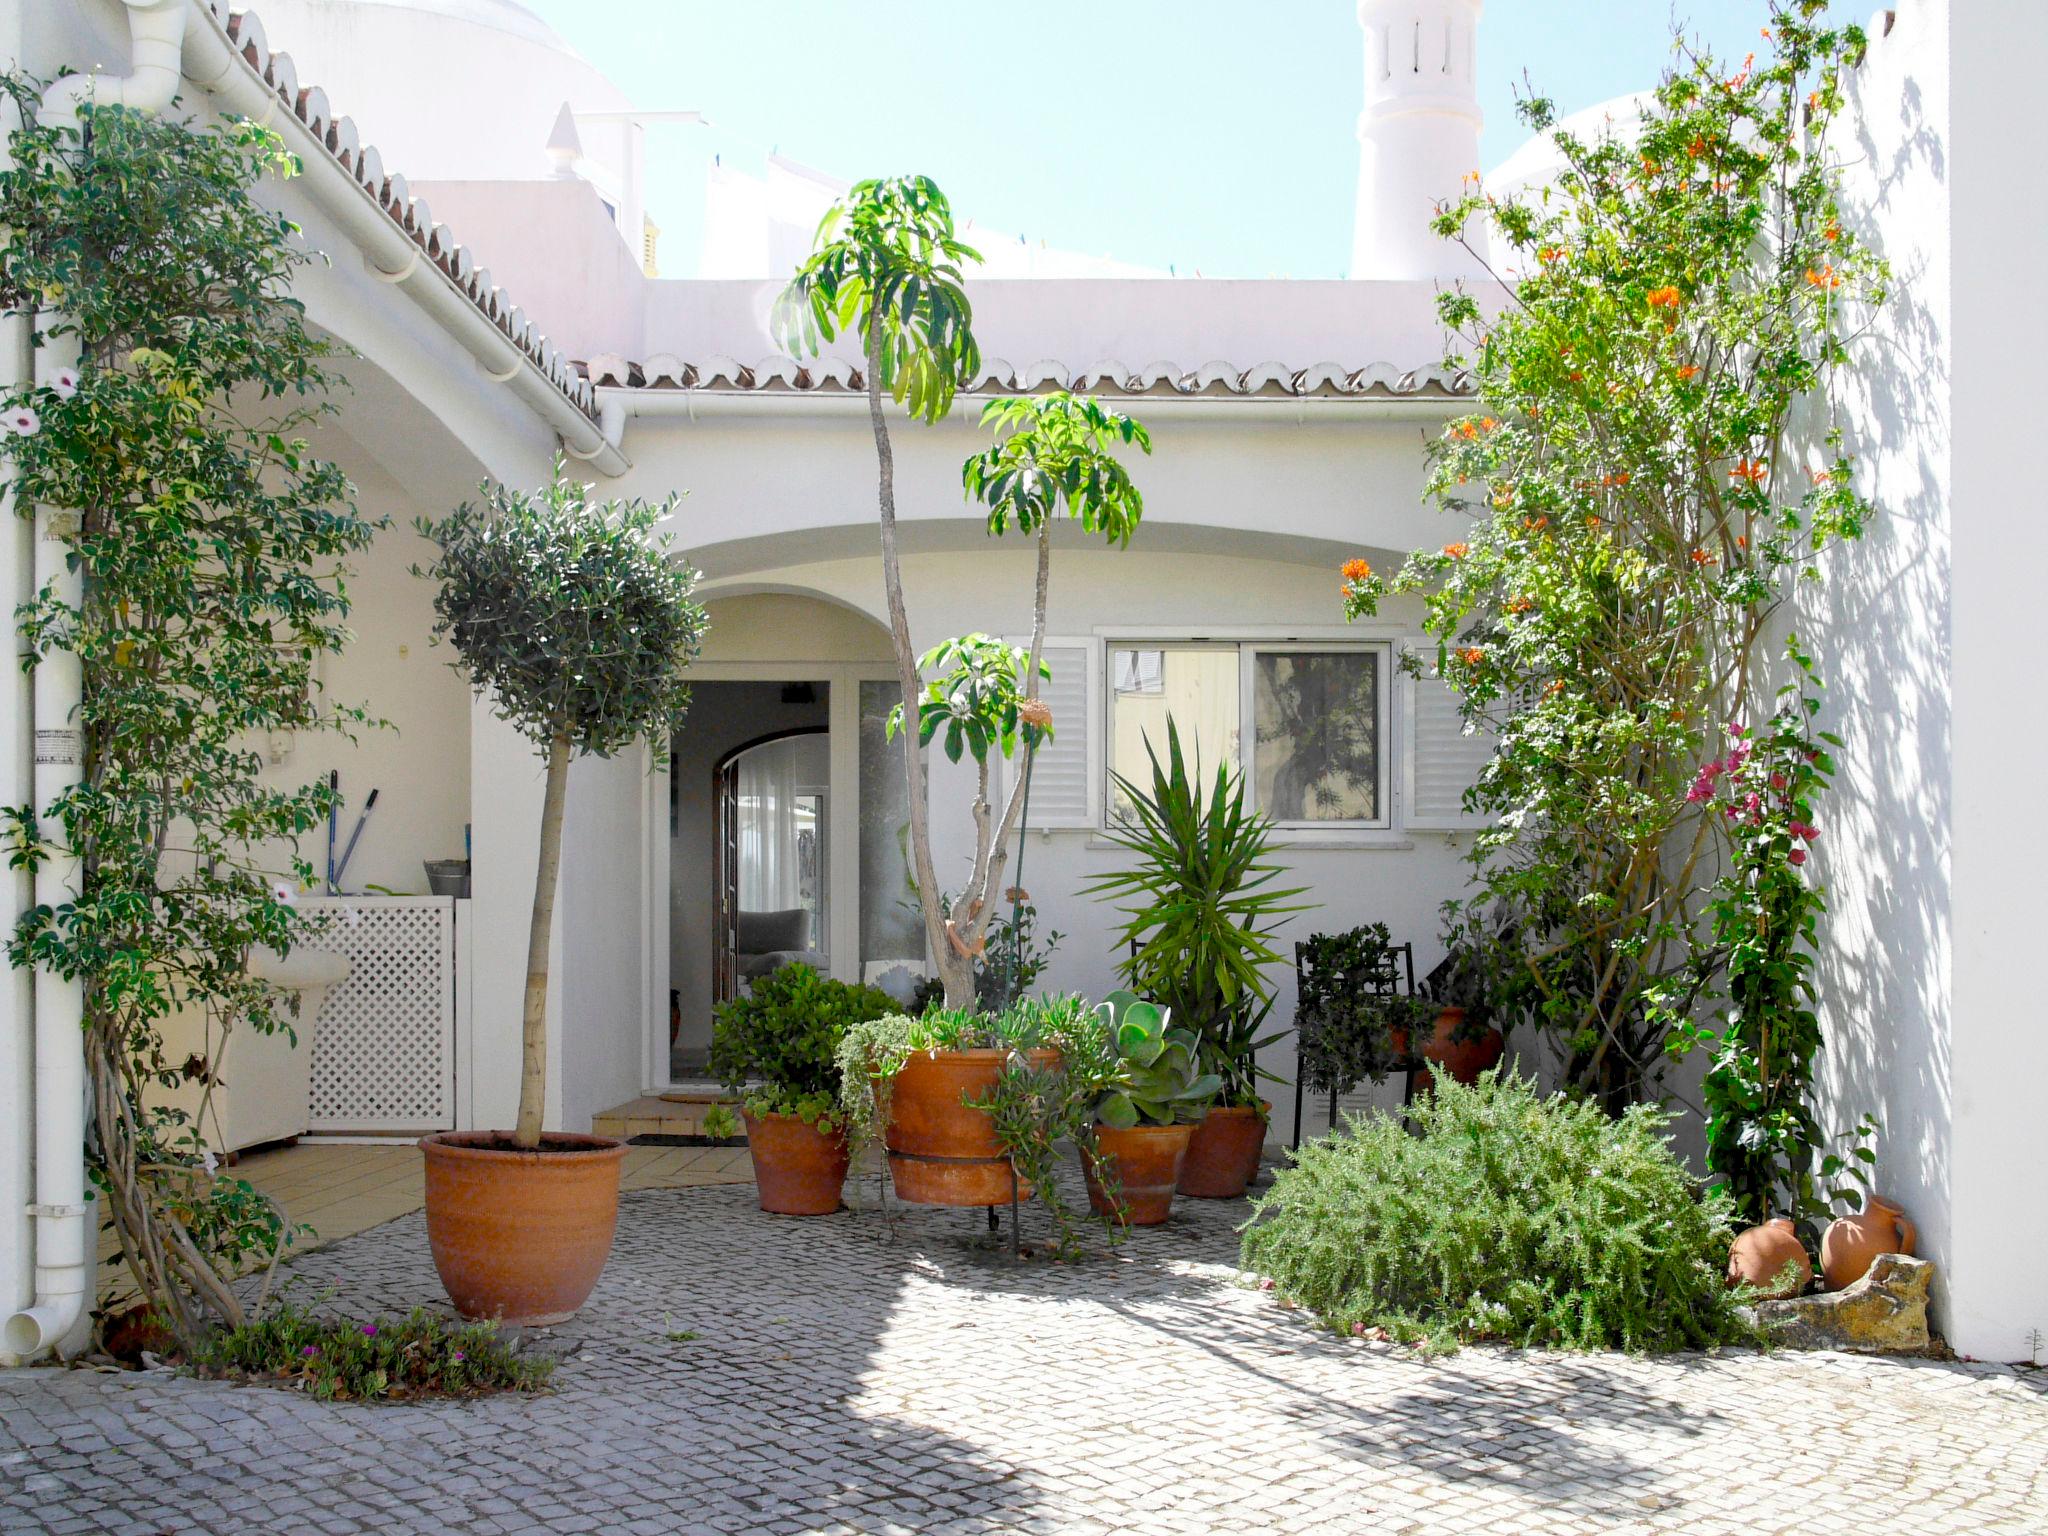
778, 1046
1504, 1216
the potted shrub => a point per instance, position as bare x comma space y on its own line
1198, 929
913, 1083
1464, 1041
571, 616
777, 1049
1156, 1095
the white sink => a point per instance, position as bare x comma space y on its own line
264, 1083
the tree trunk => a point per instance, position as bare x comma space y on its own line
533, 1073
955, 969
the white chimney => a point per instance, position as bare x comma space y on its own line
1418, 136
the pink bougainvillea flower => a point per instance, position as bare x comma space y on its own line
64, 382
1796, 856
1736, 730
23, 422
1777, 781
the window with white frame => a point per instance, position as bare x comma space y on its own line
1306, 723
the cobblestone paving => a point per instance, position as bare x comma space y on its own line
851, 1377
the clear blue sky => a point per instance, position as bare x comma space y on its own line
1213, 135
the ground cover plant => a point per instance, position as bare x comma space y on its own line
1503, 1215
777, 1047
383, 1360
1650, 471
207, 555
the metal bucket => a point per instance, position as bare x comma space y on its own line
447, 877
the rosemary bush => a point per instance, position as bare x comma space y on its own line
1506, 1216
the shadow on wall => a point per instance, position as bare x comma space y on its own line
1879, 624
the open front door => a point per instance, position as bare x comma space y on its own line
727, 925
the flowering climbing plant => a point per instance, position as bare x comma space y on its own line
211, 546
1650, 471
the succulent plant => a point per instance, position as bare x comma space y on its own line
1157, 1078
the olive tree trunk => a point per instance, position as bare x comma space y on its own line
533, 1072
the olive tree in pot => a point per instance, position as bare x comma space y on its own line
573, 618
1156, 1095
777, 1048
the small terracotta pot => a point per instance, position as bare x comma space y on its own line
1463, 1059
1146, 1160
1223, 1157
521, 1236
799, 1170
941, 1151
1771, 1258
1851, 1244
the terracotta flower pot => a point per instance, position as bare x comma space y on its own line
1771, 1258
1463, 1059
1223, 1156
1146, 1160
1852, 1244
941, 1152
521, 1236
799, 1170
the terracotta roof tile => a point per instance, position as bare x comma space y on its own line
388, 190
1270, 380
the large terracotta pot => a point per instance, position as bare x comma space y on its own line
1852, 1244
1146, 1161
1771, 1258
798, 1169
1223, 1157
521, 1236
941, 1152
1463, 1059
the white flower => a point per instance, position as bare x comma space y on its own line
212, 1163
282, 893
23, 422
65, 382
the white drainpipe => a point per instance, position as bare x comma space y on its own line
65, 1242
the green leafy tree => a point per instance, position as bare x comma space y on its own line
572, 617
778, 1046
886, 269
211, 547
1642, 497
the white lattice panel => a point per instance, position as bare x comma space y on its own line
384, 1044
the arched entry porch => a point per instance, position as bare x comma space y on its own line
817, 676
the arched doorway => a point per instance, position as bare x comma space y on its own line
772, 835
786, 682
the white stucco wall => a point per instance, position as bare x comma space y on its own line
1998, 1240
1880, 621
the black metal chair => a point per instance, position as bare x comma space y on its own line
1396, 980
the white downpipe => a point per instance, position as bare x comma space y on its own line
211, 61
65, 1243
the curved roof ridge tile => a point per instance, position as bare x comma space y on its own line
339, 136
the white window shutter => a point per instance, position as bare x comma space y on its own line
1442, 759
1064, 775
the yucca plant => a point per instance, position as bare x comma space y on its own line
1201, 906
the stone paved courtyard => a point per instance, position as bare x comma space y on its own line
854, 1375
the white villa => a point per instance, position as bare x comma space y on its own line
479, 192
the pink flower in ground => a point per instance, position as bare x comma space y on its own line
369, 1330
1358, 1330
23, 422
65, 382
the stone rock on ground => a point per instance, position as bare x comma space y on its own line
1884, 1313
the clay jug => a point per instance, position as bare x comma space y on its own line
1849, 1246
1761, 1256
